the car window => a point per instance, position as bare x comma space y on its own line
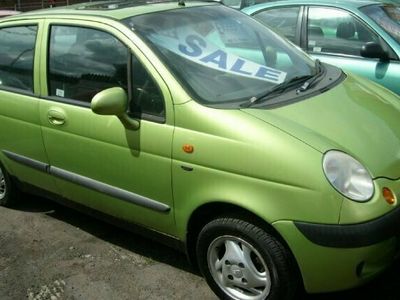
16, 57
283, 20
386, 16
219, 54
333, 30
146, 95
240, 4
85, 61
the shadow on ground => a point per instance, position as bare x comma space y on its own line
107, 232
385, 287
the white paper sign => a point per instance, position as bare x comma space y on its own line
200, 51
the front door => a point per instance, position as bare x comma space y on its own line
97, 161
336, 37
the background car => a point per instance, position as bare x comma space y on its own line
359, 36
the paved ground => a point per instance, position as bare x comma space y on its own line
51, 252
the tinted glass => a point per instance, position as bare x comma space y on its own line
17, 45
220, 55
387, 17
282, 20
336, 31
146, 96
83, 62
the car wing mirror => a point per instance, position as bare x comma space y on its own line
114, 102
373, 50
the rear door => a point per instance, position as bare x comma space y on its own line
21, 144
97, 161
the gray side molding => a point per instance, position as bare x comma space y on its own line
109, 189
89, 183
34, 164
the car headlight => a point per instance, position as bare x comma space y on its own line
348, 176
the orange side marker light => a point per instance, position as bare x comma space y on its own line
188, 148
388, 195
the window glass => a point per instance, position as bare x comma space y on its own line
146, 96
386, 16
220, 55
84, 61
17, 45
336, 31
282, 20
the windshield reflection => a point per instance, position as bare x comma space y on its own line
220, 55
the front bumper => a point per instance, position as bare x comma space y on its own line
353, 235
334, 257
326, 266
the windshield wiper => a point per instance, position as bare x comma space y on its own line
320, 70
276, 89
309, 80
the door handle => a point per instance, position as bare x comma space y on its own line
56, 117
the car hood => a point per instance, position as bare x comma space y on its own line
357, 117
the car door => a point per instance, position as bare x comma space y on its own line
98, 162
21, 145
336, 36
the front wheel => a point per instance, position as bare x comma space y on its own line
243, 262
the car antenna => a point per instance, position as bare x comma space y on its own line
181, 2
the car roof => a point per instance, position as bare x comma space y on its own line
119, 9
351, 4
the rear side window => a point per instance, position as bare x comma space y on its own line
17, 47
85, 61
282, 20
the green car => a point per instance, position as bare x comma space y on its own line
194, 124
361, 36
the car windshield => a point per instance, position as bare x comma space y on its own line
386, 16
219, 54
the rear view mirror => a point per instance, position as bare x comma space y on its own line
113, 102
373, 50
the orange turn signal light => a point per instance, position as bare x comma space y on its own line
188, 148
388, 195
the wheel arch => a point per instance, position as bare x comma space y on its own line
212, 210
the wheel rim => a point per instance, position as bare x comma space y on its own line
2, 185
238, 268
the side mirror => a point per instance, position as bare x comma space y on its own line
373, 50
113, 102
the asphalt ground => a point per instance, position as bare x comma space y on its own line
48, 251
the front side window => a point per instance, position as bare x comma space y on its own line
333, 30
282, 20
218, 54
147, 99
386, 16
17, 45
85, 61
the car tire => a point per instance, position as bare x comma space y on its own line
8, 191
240, 260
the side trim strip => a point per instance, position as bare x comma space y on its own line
34, 164
89, 183
108, 189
